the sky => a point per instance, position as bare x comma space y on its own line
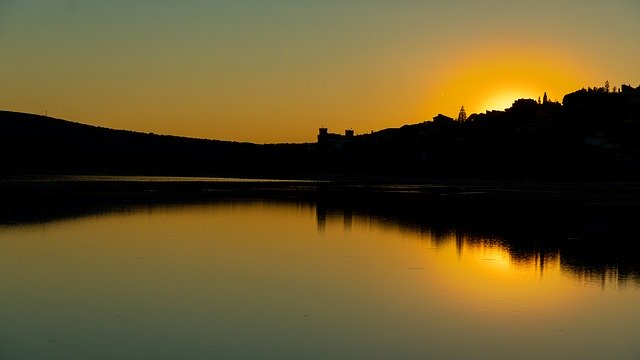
275, 71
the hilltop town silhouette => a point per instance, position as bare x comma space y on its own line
592, 135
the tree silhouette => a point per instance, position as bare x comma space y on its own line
462, 116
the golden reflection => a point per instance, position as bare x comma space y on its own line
445, 277
225, 277
480, 263
483, 279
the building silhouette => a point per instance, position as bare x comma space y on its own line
327, 138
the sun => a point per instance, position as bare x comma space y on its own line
501, 100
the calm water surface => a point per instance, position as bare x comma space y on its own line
264, 280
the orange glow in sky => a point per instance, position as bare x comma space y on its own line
275, 72
487, 79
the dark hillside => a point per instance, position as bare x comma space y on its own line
593, 135
39, 144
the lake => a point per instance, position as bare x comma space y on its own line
260, 278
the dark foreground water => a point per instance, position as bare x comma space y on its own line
263, 279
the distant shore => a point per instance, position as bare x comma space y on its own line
589, 138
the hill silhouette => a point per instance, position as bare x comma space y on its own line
37, 144
592, 135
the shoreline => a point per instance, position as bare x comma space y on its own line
34, 186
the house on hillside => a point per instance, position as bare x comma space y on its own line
338, 140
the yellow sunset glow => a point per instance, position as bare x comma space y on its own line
275, 72
504, 100
487, 79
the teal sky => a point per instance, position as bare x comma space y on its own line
274, 71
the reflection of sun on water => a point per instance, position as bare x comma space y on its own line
497, 262
486, 278
494, 258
